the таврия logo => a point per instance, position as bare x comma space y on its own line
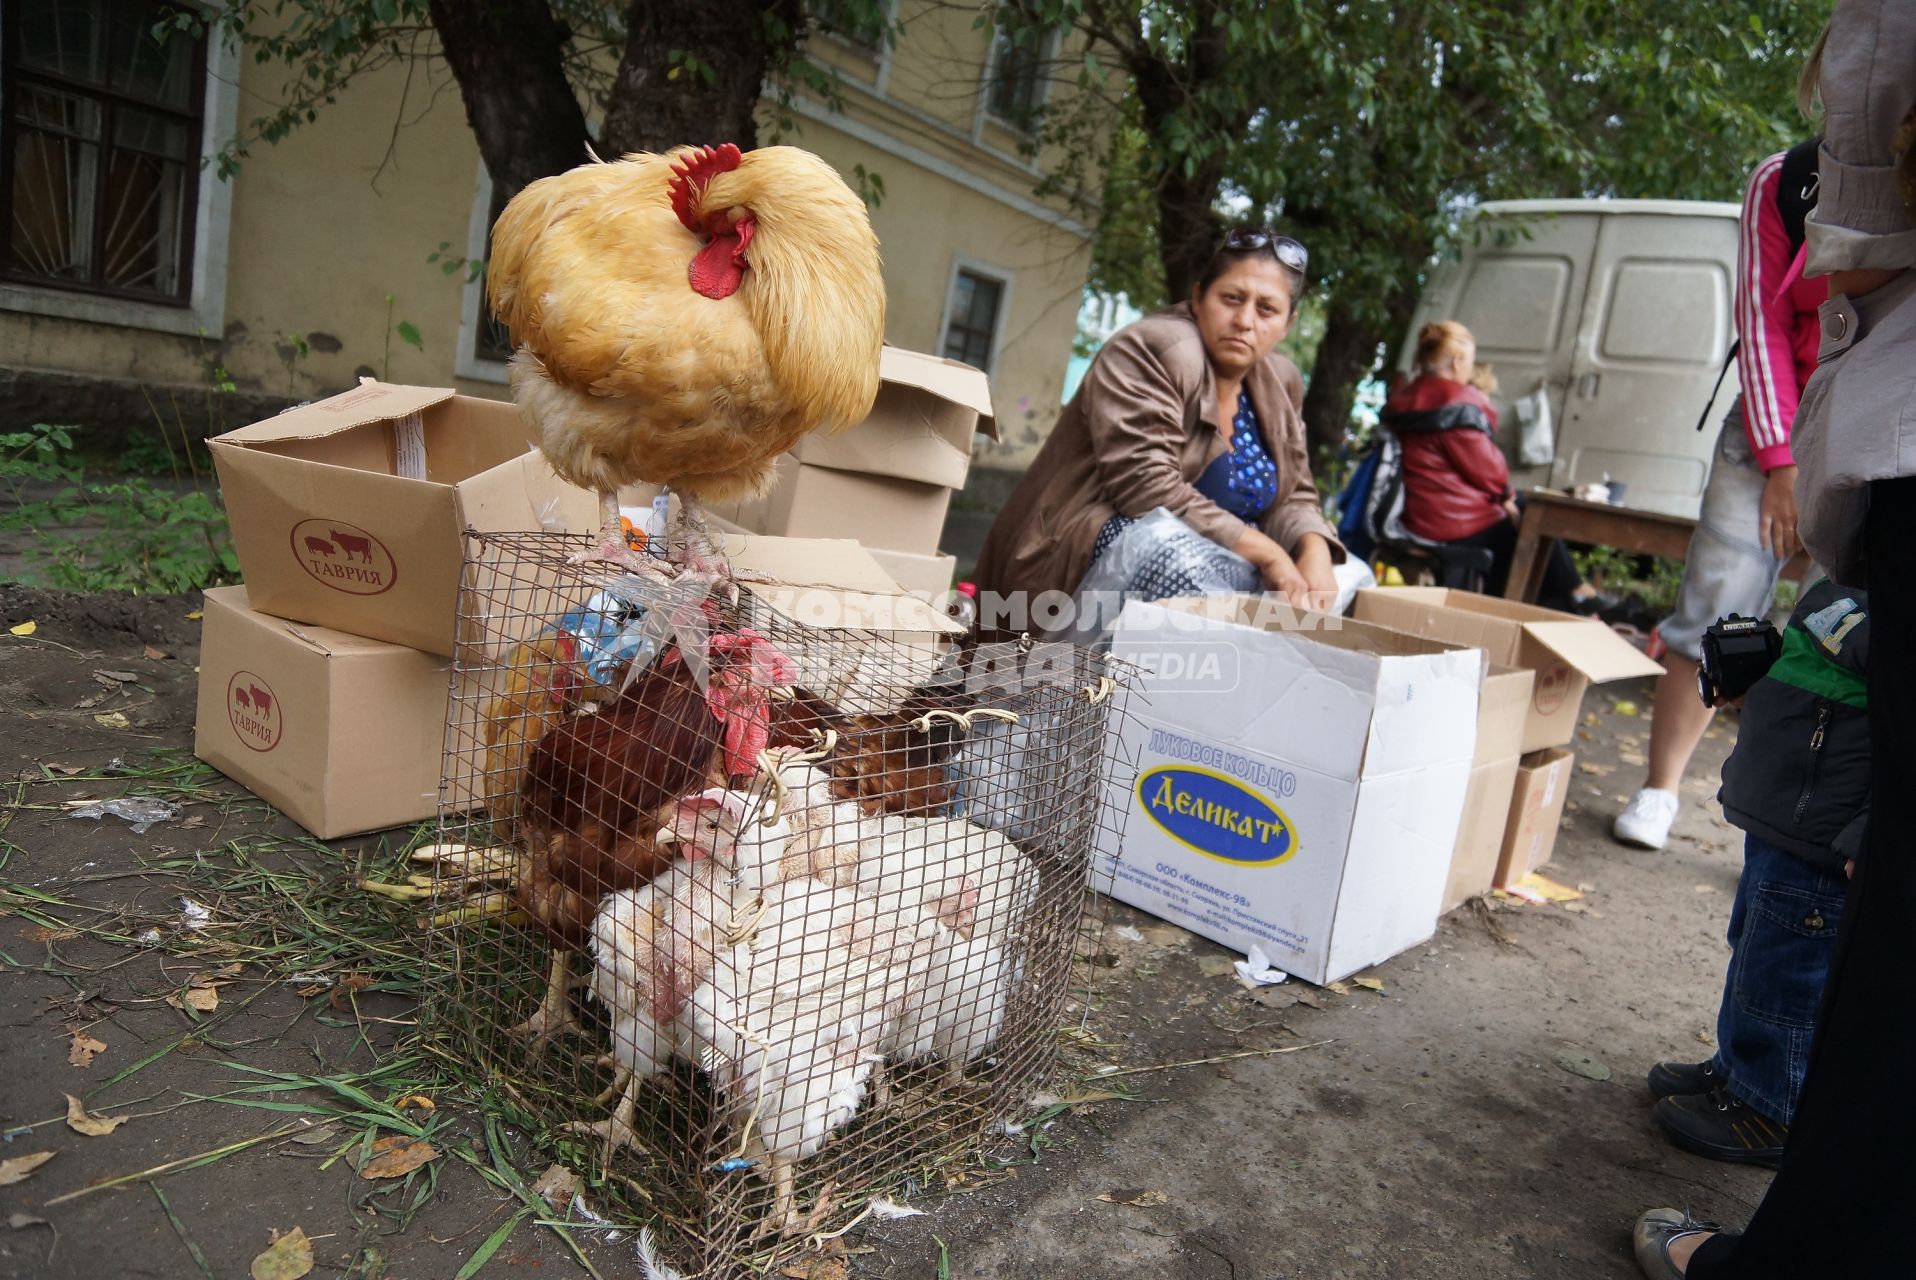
255, 711
344, 557
1217, 816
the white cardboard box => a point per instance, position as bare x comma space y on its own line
1298, 790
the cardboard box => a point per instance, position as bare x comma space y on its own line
930, 576
341, 733
1502, 710
928, 414
809, 501
330, 531
1297, 790
1568, 653
1536, 812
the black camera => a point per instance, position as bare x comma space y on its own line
1736, 652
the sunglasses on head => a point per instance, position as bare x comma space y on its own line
1286, 250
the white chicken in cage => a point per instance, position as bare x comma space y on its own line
791, 1024
976, 887
653, 945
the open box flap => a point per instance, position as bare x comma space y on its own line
369, 402
1594, 649
946, 379
833, 584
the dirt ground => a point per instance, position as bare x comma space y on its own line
1425, 1131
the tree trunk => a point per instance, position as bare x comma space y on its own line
508, 57
1188, 227
1345, 357
693, 70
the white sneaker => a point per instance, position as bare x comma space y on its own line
1645, 821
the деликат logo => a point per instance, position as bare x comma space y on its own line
344, 557
1217, 816
255, 711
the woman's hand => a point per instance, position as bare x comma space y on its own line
1282, 575
1313, 563
1776, 521
1512, 510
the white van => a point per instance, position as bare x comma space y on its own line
1620, 310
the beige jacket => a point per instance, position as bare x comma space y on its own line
1139, 433
1857, 419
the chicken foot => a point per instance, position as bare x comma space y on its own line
612, 547
554, 1015
617, 1128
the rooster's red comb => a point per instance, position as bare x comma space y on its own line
690, 174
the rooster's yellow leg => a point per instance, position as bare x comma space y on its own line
554, 1014
617, 1128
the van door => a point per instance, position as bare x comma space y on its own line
1519, 291
1656, 325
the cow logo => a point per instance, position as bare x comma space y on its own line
1217, 816
254, 709
1553, 685
344, 557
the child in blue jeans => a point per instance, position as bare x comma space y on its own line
1798, 786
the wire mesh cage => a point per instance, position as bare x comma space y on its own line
754, 919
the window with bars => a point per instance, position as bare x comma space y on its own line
971, 321
1012, 92
100, 122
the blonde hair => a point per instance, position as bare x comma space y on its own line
1808, 100
1438, 339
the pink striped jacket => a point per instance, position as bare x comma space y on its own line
1775, 317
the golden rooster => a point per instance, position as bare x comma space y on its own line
684, 319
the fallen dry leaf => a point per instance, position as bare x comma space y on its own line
195, 615
1136, 1197
156, 654
288, 1258
395, 1157
88, 703
1341, 988
1591, 766
23, 628
81, 1121
1635, 758
556, 1186
816, 1269
20, 1168
1309, 999
1216, 966
112, 720
202, 999
1369, 984
1706, 888
348, 984
83, 1048
119, 677
64, 770
42, 933
194, 823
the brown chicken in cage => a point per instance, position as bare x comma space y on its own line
598, 789
542, 683
895, 762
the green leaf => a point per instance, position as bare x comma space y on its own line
409, 333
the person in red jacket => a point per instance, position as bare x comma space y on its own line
1456, 480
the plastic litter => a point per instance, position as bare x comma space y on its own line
1257, 970
142, 812
611, 633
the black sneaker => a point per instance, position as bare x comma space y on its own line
1676, 1079
1716, 1125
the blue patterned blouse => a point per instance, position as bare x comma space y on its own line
1243, 481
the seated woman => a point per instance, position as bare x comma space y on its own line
1190, 410
1456, 480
